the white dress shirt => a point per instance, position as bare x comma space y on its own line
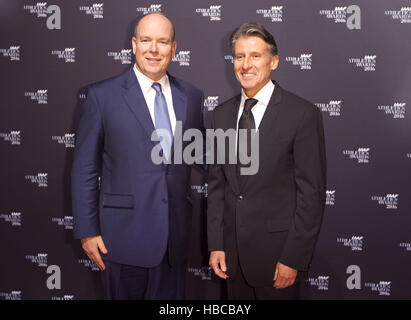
263, 96
150, 95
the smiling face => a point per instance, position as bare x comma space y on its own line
253, 64
153, 46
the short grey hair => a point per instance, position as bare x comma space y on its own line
161, 14
254, 29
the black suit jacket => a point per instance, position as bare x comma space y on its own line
276, 215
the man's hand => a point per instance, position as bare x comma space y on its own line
217, 262
284, 276
91, 247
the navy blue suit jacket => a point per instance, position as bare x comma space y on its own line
137, 207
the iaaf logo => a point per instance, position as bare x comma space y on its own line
68, 139
397, 110
40, 259
151, 9
214, 12
14, 218
40, 96
42, 11
205, 273
362, 154
183, 57
404, 15
13, 53
333, 108
65, 297
67, 222
68, 54
330, 197
390, 201
350, 15
124, 56
229, 58
89, 264
383, 287
356, 242
368, 63
14, 295
211, 102
405, 245
275, 13
96, 10
14, 137
304, 61
201, 190
40, 179
321, 282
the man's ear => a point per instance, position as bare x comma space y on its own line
174, 48
274, 62
134, 44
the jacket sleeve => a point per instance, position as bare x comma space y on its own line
310, 181
215, 202
86, 169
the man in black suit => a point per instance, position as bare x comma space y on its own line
262, 228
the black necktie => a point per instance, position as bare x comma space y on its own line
246, 122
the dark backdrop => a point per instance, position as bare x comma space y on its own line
352, 59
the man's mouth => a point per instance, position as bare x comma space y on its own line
153, 60
247, 76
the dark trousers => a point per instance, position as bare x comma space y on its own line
239, 289
126, 282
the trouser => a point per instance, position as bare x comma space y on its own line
239, 289
127, 282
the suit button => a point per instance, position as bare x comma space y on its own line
240, 197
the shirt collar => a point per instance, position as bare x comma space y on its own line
263, 96
146, 83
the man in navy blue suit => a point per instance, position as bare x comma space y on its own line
134, 222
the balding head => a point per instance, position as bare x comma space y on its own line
155, 17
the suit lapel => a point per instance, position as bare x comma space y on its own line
180, 108
135, 100
232, 124
270, 114
267, 123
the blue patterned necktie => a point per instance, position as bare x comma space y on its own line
162, 120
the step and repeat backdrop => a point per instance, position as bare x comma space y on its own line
350, 58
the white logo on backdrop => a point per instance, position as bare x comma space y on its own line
333, 108
355, 242
213, 13
96, 10
275, 13
362, 155
368, 63
397, 110
14, 137
304, 61
13, 52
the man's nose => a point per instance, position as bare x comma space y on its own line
247, 63
153, 46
